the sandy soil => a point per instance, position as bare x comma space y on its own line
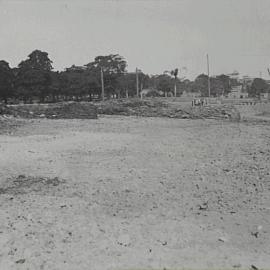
135, 193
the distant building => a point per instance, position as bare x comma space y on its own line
234, 75
76, 68
237, 92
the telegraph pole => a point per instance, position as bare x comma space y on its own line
175, 86
137, 81
209, 87
102, 83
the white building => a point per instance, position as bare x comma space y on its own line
237, 92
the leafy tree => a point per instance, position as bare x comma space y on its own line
55, 86
201, 85
33, 76
216, 87
127, 84
37, 60
113, 67
6, 81
164, 83
145, 80
258, 86
174, 73
225, 82
75, 82
185, 85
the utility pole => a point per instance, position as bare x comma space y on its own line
102, 83
137, 81
209, 87
175, 87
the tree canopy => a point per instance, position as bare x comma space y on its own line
34, 79
258, 86
6, 81
34, 76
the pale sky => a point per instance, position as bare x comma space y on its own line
152, 35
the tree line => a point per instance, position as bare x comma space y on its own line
35, 80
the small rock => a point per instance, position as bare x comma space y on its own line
256, 231
203, 206
256, 234
20, 261
254, 267
222, 239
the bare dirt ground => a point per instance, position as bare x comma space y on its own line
135, 193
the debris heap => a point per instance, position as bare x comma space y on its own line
158, 108
64, 110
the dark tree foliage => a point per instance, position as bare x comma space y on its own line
225, 80
37, 60
164, 83
74, 82
6, 81
258, 86
127, 84
201, 85
185, 85
33, 78
113, 67
219, 85
216, 87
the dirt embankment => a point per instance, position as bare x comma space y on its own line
63, 110
162, 108
9, 124
129, 107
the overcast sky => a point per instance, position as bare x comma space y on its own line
152, 35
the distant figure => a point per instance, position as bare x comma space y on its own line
197, 102
202, 102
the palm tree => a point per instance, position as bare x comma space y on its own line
174, 73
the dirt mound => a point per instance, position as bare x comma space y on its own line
23, 184
8, 124
159, 108
70, 110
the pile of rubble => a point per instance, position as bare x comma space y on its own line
8, 124
136, 107
65, 110
158, 108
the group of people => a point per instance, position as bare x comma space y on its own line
198, 102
